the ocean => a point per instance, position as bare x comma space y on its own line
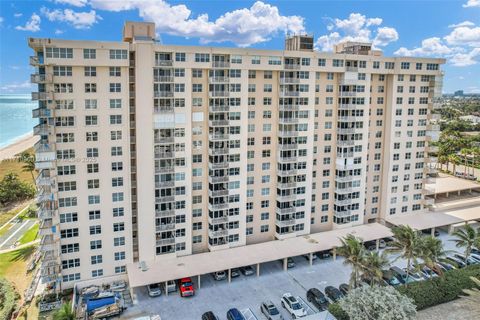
15, 117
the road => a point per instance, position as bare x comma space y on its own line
14, 232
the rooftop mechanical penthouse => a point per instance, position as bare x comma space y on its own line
151, 151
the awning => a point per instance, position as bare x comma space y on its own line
421, 221
465, 214
445, 183
172, 268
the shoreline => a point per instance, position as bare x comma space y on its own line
21, 144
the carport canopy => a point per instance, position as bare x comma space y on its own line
448, 184
466, 214
421, 221
172, 268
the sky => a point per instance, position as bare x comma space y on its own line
448, 29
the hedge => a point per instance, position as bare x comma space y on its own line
442, 289
8, 298
429, 293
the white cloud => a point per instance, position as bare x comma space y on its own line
58, 31
464, 36
14, 87
462, 24
472, 3
356, 27
243, 27
75, 3
466, 59
17, 15
32, 25
79, 20
430, 47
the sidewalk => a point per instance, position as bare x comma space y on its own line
20, 246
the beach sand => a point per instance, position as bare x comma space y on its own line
23, 144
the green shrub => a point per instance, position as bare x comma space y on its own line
8, 298
442, 289
337, 312
13, 189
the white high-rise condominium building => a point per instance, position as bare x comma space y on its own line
149, 151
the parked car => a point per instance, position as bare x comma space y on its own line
186, 287
471, 260
456, 262
428, 273
390, 278
476, 251
171, 286
317, 298
290, 263
401, 275
446, 266
247, 270
475, 256
333, 293
344, 288
270, 311
154, 290
209, 315
429, 232
235, 314
307, 256
415, 275
235, 272
323, 254
370, 245
388, 240
219, 275
293, 306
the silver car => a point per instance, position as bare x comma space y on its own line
270, 311
154, 290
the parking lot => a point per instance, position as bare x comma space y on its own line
247, 292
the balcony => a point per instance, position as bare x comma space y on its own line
288, 133
165, 199
42, 113
218, 233
288, 120
351, 69
41, 78
289, 107
345, 190
44, 213
163, 94
44, 181
429, 202
164, 213
343, 202
218, 193
40, 147
50, 255
218, 151
433, 127
435, 116
48, 243
287, 158
285, 223
430, 170
287, 172
348, 118
170, 169
218, 165
165, 242
432, 149
286, 185
343, 214
42, 96
219, 108
346, 130
219, 79
163, 63
345, 179
218, 220
344, 155
164, 184
218, 206
345, 143
347, 94
289, 80
164, 140
165, 154
350, 106
218, 136
282, 211
45, 197
36, 61
218, 123
165, 227
292, 66
220, 64
163, 79
163, 109
218, 94
289, 93
290, 146
289, 197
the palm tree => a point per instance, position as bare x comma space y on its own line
454, 159
373, 265
65, 313
407, 244
466, 238
353, 250
465, 153
432, 252
28, 160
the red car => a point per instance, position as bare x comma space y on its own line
186, 287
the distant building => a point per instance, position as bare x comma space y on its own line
471, 118
458, 93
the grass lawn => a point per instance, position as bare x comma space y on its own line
30, 235
8, 165
6, 216
13, 266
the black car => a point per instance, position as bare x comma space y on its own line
344, 288
370, 245
209, 315
323, 254
429, 232
317, 298
333, 293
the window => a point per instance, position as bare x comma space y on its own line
95, 230
202, 57
90, 71
63, 71
96, 259
90, 103
115, 71
90, 87
62, 53
116, 119
89, 54
120, 226
180, 57
264, 228
115, 87
405, 65
119, 255
95, 244
120, 241
118, 54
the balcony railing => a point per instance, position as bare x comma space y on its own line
163, 63
218, 220
348, 94
288, 120
345, 143
164, 199
350, 106
164, 242
164, 213
289, 107
164, 184
214, 94
287, 172
289, 80
344, 179
282, 211
165, 227
163, 94
219, 108
285, 223
42, 113
164, 140
163, 78
348, 118
287, 185
218, 123
42, 95
170, 169
220, 64
218, 165
351, 69
218, 151
219, 79
218, 193
289, 93
218, 206
343, 202
290, 146
287, 133
218, 233
218, 136
292, 66
41, 78
218, 179
166, 154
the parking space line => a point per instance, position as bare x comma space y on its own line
248, 314
306, 306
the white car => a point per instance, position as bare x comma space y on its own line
293, 306
154, 290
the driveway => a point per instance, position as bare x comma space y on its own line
15, 231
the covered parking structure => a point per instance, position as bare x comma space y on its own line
423, 221
172, 268
445, 185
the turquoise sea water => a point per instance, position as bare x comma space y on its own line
15, 117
